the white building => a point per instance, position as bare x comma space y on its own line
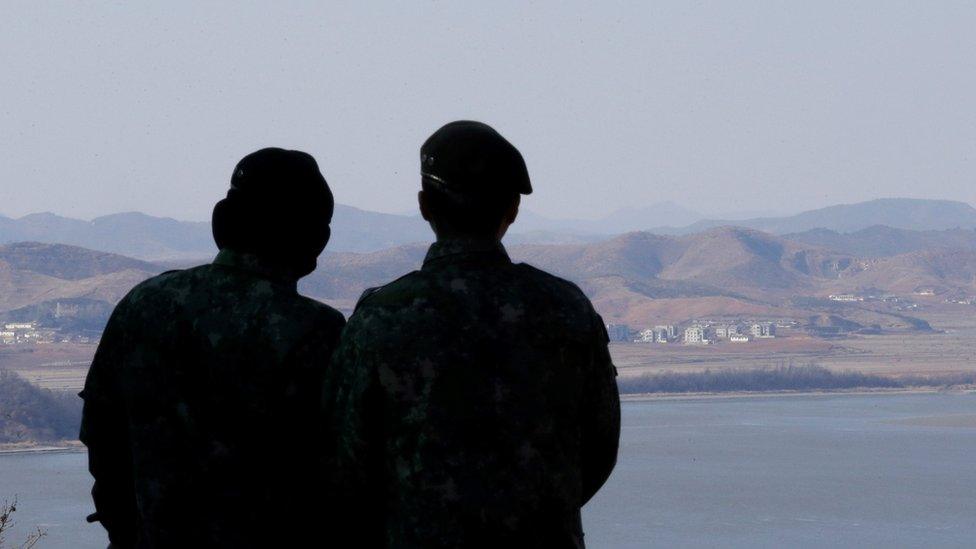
763, 330
664, 333
845, 297
19, 326
8, 337
645, 336
726, 331
695, 335
739, 338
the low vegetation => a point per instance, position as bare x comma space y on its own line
31, 414
809, 377
7, 510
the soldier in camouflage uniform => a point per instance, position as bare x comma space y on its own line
474, 400
207, 380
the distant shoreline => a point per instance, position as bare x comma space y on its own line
647, 397
75, 446
20, 448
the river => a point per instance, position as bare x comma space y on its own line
890, 470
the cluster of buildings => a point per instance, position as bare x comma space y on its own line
657, 334
696, 333
847, 298
899, 303
19, 333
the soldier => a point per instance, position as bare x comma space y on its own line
474, 400
207, 380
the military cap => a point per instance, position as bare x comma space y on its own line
274, 177
471, 157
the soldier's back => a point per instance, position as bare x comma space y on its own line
218, 369
482, 366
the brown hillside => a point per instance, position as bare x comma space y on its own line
32, 273
638, 278
941, 269
67, 262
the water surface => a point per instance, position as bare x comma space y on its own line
798, 471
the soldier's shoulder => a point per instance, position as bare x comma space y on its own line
323, 313
391, 292
559, 286
566, 300
162, 281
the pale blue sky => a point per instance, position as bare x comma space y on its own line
717, 106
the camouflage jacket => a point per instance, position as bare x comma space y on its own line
202, 405
475, 405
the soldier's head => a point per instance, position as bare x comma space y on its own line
472, 180
278, 208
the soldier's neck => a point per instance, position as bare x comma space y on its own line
258, 265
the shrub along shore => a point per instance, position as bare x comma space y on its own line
32, 415
781, 378
29, 413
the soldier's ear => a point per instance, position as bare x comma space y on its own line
225, 224
422, 200
513, 209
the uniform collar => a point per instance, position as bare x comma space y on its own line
455, 250
256, 265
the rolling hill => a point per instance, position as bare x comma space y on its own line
642, 278
35, 277
729, 261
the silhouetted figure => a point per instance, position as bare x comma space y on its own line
474, 400
202, 405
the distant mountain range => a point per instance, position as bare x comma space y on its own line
621, 221
899, 213
639, 278
882, 241
132, 234
163, 239
354, 230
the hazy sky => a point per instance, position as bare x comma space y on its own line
717, 106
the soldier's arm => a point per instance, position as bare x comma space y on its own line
309, 361
104, 430
601, 413
351, 404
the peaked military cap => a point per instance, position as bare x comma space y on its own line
471, 157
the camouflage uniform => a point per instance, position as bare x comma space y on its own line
475, 405
203, 389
